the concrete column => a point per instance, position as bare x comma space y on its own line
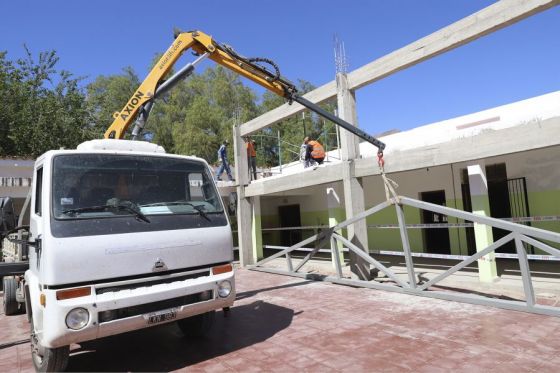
256, 232
353, 189
483, 233
244, 204
335, 216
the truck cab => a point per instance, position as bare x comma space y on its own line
123, 236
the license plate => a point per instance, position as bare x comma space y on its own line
160, 316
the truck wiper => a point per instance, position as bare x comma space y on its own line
198, 208
127, 206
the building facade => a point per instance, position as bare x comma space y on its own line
517, 145
15, 180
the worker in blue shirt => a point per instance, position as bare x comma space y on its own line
222, 157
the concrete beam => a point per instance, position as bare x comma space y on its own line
525, 137
285, 111
354, 200
492, 18
486, 21
322, 175
244, 206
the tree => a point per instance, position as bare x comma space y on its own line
199, 113
199, 133
108, 94
42, 109
292, 130
46, 109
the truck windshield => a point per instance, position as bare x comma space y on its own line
110, 185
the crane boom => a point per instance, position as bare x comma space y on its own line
139, 105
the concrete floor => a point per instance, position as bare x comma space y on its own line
545, 275
282, 323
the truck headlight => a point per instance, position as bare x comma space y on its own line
77, 318
224, 289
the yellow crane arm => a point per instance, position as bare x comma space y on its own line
204, 46
200, 43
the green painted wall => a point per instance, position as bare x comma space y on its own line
312, 218
540, 204
544, 204
457, 236
256, 236
378, 238
270, 237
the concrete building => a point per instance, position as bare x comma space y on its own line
518, 145
15, 179
437, 163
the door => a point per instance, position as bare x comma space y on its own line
290, 217
498, 196
436, 239
519, 203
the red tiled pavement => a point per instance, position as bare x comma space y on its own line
283, 323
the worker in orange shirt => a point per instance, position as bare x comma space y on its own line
251, 157
314, 152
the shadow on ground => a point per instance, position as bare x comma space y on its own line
164, 348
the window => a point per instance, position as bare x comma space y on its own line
196, 192
89, 185
38, 191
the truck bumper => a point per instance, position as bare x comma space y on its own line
121, 310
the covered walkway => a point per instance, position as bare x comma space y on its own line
282, 323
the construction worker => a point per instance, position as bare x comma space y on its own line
251, 157
314, 152
222, 157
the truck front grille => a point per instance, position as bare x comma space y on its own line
121, 313
151, 283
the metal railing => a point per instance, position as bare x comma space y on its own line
518, 233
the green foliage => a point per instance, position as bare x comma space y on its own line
46, 109
199, 113
42, 108
108, 94
282, 141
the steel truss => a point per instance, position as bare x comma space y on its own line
518, 233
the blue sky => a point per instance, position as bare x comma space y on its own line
102, 37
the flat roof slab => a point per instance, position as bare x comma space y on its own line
282, 323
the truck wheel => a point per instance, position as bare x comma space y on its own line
197, 326
11, 306
48, 359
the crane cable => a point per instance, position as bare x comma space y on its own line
389, 184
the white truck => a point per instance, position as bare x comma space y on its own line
122, 236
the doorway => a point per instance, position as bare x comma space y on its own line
499, 198
290, 217
436, 240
